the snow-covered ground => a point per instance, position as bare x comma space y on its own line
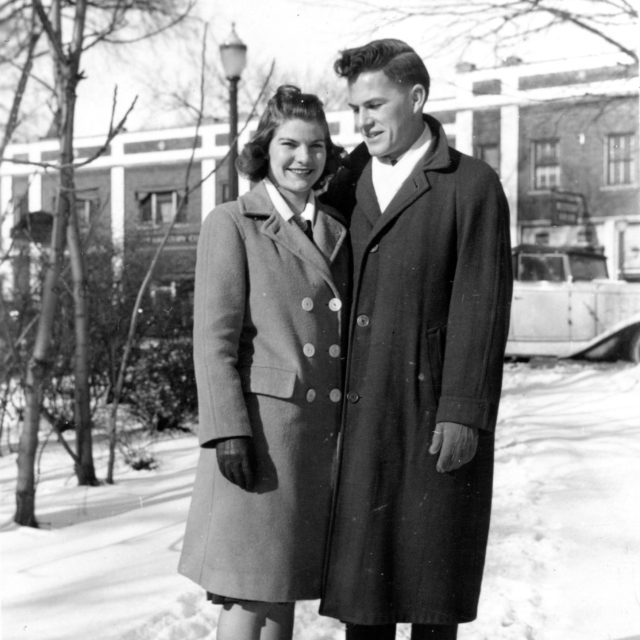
564, 552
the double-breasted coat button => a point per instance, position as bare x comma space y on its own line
362, 320
335, 304
307, 304
334, 350
352, 396
311, 395
308, 349
335, 395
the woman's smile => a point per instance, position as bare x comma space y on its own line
297, 155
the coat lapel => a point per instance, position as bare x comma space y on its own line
436, 158
289, 235
292, 237
412, 188
328, 234
366, 197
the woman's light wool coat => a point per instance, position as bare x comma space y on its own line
268, 344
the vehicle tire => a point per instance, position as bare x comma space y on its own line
633, 351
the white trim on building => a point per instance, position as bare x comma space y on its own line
507, 98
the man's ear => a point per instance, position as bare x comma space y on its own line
418, 97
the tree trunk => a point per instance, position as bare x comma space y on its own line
85, 470
25, 508
37, 370
67, 61
27, 446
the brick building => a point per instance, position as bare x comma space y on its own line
563, 137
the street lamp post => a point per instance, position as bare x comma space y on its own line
233, 53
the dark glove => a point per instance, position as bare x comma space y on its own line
456, 443
236, 461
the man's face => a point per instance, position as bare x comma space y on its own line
388, 116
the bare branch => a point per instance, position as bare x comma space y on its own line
508, 19
565, 16
176, 20
77, 38
12, 121
113, 130
49, 29
11, 61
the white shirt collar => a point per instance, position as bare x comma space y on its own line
281, 206
387, 178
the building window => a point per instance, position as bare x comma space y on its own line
490, 153
621, 162
546, 165
158, 208
87, 207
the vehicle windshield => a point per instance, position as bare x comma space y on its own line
536, 267
585, 268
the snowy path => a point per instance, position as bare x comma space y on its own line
564, 552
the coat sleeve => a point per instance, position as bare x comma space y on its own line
478, 320
219, 311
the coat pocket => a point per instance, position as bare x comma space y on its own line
268, 381
436, 340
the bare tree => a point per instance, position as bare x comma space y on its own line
506, 22
27, 50
261, 78
70, 29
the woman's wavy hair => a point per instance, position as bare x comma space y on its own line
395, 58
288, 103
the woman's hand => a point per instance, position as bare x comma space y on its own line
236, 461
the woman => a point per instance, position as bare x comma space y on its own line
271, 280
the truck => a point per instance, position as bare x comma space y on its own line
565, 305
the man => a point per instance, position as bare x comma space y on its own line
431, 293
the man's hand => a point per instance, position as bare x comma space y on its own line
456, 443
236, 461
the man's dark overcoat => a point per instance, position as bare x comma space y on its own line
429, 322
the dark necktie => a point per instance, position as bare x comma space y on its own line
307, 228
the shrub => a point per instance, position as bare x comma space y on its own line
139, 458
160, 385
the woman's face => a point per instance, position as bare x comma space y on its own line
297, 155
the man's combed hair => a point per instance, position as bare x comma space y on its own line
288, 103
395, 58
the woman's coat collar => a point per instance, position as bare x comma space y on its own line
329, 232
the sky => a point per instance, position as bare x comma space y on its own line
563, 561
302, 36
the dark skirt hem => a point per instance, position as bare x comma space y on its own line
215, 598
